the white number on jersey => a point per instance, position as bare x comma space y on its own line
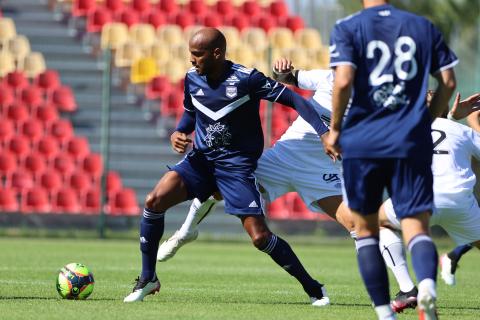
376, 77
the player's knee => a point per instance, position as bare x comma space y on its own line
261, 239
155, 201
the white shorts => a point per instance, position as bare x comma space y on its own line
279, 173
462, 223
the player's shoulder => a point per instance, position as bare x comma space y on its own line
241, 69
451, 127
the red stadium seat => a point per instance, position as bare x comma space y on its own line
18, 113
47, 114
64, 99
97, 19
114, 6
8, 163
266, 22
7, 130
35, 200
155, 17
78, 148
8, 200
129, 17
184, 19
16, 80
277, 210
32, 96
114, 182
124, 202
91, 203
197, 7
212, 20
51, 180
48, 146
225, 7
279, 9
65, 164
62, 130
6, 97
33, 129
170, 7
251, 8
141, 6
20, 146
19, 181
294, 23
174, 102
66, 201
80, 181
159, 87
48, 80
81, 8
35, 163
93, 165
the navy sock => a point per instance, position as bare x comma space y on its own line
424, 257
151, 231
459, 251
281, 252
372, 269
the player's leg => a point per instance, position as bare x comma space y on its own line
169, 191
364, 181
449, 263
188, 232
281, 252
393, 251
338, 210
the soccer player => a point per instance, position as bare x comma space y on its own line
386, 56
294, 163
221, 106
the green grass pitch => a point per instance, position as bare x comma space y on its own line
206, 280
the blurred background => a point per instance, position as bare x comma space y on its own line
90, 91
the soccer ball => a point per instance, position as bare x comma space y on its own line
75, 281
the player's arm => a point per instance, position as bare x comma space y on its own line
443, 93
473, 121
284, 72
462, 109
180, 137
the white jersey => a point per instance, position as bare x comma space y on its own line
300, 137
453, 178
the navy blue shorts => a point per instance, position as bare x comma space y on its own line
409, 183
238, 187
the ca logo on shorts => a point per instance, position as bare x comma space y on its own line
330, 177
231, 91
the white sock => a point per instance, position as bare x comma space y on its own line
428, 285
393, 252
197, 212
385, 312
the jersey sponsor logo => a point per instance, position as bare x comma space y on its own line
331, 177
217, 136
231, 91
232, 79
390, 96
200, 92
253, 204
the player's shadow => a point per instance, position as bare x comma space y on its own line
50, 298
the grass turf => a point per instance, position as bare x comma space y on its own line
207, 280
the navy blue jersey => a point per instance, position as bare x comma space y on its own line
393, 52
227, 122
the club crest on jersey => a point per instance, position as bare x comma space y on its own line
231, 91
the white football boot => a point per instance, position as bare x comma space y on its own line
169, 247
142, 289
427, 309
321, 300
446, 267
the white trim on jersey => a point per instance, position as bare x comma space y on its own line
215, 115
448, 66
342, 63
278, 96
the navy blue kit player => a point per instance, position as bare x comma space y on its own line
222, 107
385, 56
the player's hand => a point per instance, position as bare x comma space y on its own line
330, 144
180, 141
461, 109
283, 65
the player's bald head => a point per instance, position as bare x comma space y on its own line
209, 39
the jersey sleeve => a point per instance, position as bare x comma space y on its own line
309, 80
263, 87
187, 121
187, 99
475, 139
443, 58
342, 51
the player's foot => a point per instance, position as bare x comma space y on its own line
427, 309
142, 288
404, 300
169, 247
318, 295
448, 267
